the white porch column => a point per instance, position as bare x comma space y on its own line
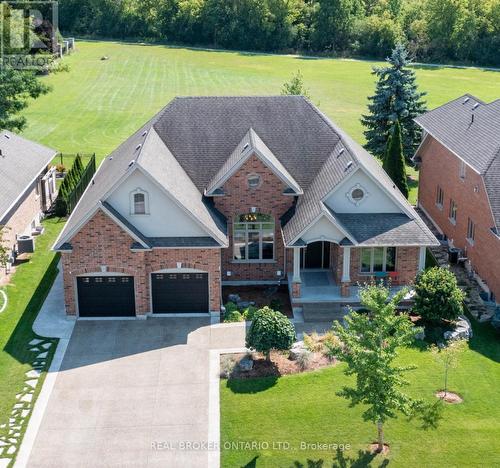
296, 265
346, 265
421, 259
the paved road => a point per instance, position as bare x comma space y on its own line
127, 390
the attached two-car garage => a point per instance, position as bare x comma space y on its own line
113, 296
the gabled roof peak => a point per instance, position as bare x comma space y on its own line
251, 144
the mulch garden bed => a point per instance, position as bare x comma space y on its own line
261, 295
279, 365
449, 397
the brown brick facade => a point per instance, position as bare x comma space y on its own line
441, 168
239, 199
102, 243
19, 222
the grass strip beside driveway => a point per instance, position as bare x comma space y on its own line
26, 293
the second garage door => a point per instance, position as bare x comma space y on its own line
179, 292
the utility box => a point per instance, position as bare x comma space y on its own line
25, 244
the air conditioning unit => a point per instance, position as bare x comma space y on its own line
25, 244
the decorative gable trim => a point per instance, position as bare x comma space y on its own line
324, 214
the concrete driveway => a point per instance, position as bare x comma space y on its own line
128, 393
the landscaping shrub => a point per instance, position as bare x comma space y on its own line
60, 168
227, 365
304, 359
61, 208
270, 330
437, 295
233, 316
249, 313
317, 343
230, 307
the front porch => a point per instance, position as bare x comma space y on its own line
318, 287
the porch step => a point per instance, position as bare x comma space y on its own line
323, 312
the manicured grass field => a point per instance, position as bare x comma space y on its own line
26, 293
304, 409
99, 103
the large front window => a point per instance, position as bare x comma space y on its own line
253, 237
378, 259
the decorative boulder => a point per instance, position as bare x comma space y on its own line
246, 364
495, 321
234, 298
421, 335
296, 350
462, 330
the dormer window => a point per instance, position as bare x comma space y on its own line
139, 202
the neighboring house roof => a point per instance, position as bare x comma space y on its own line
195, 143
470, 128
21, 162
249, 145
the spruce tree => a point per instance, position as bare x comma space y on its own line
396, 98
394, 161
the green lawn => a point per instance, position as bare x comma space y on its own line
99, 103
26, 293
304, 408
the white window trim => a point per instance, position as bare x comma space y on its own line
254, 175
471, 240
260, 231
356, 187
372, 258
453, 220
440, 204
132, 202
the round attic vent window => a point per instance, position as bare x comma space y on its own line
254, 181
357, 194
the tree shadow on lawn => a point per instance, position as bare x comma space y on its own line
363, 459
485, 339
254, 385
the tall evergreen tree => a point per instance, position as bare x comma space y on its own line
394, 160
396, 98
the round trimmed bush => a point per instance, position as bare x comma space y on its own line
270, 330
437, 295
233, 316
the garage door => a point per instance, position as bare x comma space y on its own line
179, 292
106, 296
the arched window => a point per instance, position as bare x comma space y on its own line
139, 203
253, 238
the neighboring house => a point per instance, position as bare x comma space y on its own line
27, 188
460, 180
235, 190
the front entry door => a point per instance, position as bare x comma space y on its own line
317, 255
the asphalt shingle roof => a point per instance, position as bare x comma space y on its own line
394, 229
470, 128
21, 161
188, 144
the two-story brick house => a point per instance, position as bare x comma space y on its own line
235, 190
459, 188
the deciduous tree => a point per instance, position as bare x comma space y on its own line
370, 344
